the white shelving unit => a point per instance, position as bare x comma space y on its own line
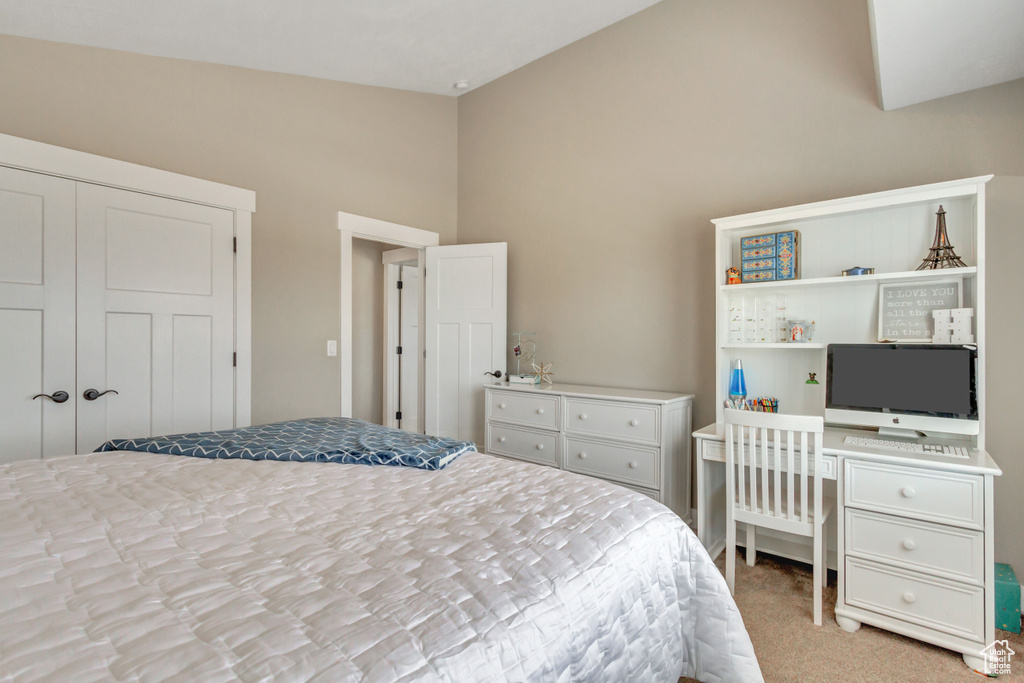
888, 231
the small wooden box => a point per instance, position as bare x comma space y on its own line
1007, 599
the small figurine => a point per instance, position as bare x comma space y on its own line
732, 276
811, 380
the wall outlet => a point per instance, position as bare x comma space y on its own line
332, 347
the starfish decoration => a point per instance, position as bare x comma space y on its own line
543, 371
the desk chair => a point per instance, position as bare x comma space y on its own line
755, 462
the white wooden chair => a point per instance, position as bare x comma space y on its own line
767, 487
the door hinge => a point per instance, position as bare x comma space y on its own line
398, 415
234, 359
234, 244
399, 283
399, 350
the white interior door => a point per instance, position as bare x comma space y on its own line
464, 320
155, 316
37, 315
409, 377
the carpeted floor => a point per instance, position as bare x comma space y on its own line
774, 597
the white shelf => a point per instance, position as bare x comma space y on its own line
774, 345
903, 276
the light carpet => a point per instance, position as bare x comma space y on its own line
774, 597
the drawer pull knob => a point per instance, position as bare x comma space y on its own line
581, 456
540, 411
540, 447
909, 544
634, 423
908, 492
909, 598
501, 405
583, 416
501, 439
632, 465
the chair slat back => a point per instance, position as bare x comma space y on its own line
759, 447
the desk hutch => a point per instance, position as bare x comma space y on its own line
914, 544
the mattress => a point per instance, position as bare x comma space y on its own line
142, 566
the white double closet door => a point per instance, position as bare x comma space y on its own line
113, 291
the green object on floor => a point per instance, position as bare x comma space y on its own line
1007, 599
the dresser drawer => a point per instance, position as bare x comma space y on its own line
955, 608
629, 421
523, 408
946, 497
638, 466
919, 546
525, 444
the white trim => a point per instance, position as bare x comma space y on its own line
875, 200
39, 157
243, 319
393, 260
361, 227
402, 255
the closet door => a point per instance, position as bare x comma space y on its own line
37, 315
155, 316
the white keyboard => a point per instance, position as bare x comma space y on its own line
911, 446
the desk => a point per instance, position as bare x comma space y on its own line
913, 541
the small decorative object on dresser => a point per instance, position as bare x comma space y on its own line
521, 353
634, 438
543, 372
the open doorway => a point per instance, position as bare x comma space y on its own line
402, 291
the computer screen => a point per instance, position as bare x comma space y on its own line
915, 379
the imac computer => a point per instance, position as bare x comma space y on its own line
903, 388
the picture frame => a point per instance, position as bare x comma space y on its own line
905, 308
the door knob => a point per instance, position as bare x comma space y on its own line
56, 397
496, 374
93, 394
909, 544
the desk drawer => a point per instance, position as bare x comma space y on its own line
715, 450
919, 546
523, 408
638, 466
955, 608
932, 495
628, 421
525, 444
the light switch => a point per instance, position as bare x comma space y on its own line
332, 347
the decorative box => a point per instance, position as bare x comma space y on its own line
1007, 599
775, 256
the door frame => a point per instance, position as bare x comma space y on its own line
353, 226
393, 260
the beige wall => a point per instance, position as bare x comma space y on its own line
308, 147
602, 164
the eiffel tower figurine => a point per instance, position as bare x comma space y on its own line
941, 254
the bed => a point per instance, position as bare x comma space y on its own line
131, 565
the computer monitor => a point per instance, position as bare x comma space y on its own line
903, 388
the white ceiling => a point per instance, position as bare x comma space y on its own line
420, 45
926, 49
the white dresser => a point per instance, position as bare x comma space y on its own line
637, 439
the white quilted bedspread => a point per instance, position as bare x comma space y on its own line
137, 566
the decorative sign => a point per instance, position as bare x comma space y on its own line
905, 309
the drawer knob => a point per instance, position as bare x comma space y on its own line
909, 598
583, 416
634, 423
909, 544
908, 492
540, 411
632, 465
501, 405
501, 439
581, 456
540, 447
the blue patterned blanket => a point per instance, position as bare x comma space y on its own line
317, 439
